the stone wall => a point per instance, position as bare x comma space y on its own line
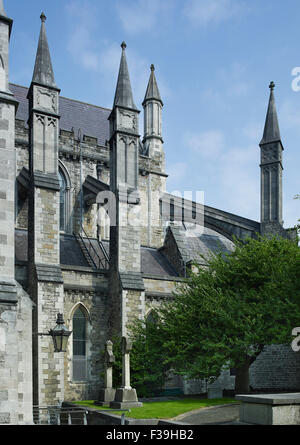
94, 306
78, 162
152, 184
278, 368
7, 190
48, 365
134, 302
15, 361
160, 285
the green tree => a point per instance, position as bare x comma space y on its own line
225, 313
148, 370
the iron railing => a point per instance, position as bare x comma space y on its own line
58, 415
94, 259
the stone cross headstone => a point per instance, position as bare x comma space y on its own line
107, 394
126, 349
126, 396
109, 361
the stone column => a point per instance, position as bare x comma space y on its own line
125, 278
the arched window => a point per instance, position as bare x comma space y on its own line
79, 345
63, 189
65, 199
151, 317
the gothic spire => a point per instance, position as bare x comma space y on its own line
2, 11
123, 95
271, 131
152, 92
4, 17
43, 71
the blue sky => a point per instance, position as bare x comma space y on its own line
214, 61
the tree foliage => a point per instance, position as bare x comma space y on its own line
225, 313
148, 370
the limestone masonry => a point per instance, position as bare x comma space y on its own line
67, 246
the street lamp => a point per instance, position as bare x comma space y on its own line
59, 334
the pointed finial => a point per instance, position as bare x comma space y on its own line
2, 11
123, 46
152, 67
272, 86
43, 70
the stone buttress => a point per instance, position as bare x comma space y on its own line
127, 296
45, 276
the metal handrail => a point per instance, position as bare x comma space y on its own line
51, 414
104, 252
81, 238
91, 247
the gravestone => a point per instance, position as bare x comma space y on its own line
126, 396
107, 394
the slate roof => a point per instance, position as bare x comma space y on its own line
153, 262
92, 120
192, 244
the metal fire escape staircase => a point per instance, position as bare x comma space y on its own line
95, 254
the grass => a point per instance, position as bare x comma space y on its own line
164, 410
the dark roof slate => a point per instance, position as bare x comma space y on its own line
193, 245
153, 262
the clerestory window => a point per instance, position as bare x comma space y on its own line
65, 200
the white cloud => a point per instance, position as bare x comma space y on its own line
208, 144
291, 212
289, 114
177, 171
253, 131
240, 180
234, 170
211, 12
80, 44
103, 56
140, 16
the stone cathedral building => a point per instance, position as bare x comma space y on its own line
61, 161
